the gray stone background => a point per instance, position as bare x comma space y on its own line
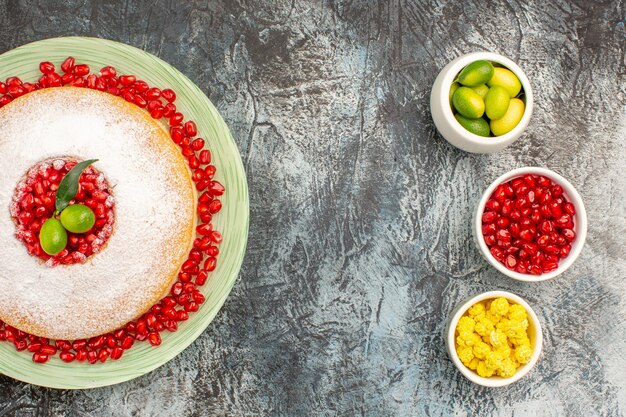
360, 212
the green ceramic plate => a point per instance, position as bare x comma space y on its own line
232, 219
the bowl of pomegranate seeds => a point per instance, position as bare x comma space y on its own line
530, 224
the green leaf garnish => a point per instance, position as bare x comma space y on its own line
69, 185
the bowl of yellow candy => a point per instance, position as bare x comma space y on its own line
481, 102
494, 338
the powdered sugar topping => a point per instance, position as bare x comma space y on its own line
154, 213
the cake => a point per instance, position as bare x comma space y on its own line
152, 196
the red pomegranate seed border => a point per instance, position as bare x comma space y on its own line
528, 223
184, 297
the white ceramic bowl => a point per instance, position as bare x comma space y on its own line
534, 334
444, 119
580, 223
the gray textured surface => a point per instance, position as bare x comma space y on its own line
360, 239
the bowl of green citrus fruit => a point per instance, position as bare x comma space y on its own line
481, 102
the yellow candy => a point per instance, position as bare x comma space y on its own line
505, 351
473, 364
492, 338
484, 327
499, 306
476, 309
507, 368
465, 324
523, 353
494, 318
481, 350
465, 354
498, 339
483, 370
517, 312
494, 359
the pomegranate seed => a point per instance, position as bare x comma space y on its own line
81, 355
191, 307
194, 163
205, 157
46, 67
81, 70
96, 342
527, 235
177, 288
117, 353
20, 345
510, 262
40, 358
63, 345
201, 185
108, 72
103, 354
497, 253
190, 128
127, 80
197, 144
68, 64
210, 264
198, 297
209, 171
140, 101
569, 234
563, 220
67, 357
154, 339
127, 342
551, 249
141, 86
92, 356
214, 206
16, 91
177, 134
202, 277
33, 346
217, 189
48, 350
156, 113
153, 93
176, 119
169, 110
502, 222
550, 266
168, 95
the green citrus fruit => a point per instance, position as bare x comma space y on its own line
476, 73
478, 127
453, 88
505, 78
78, 218
510, 119
496, 102
52, 237
481, 90
468, 103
